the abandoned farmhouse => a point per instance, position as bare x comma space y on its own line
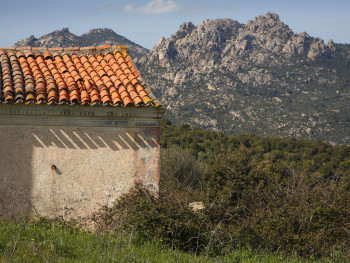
78, 128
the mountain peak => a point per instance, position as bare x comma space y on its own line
65, 30
100, 30
269, 20
186, 26
60, 32
272, 16
269, 23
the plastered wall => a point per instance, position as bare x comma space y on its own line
71, 172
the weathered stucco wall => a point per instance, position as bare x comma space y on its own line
72, 171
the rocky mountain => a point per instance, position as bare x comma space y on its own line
95, 37
257, 77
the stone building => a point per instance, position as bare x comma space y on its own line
78, 128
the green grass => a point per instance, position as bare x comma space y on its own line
41, 240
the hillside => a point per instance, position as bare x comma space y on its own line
95, 37
259, 77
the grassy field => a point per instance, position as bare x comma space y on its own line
41, 240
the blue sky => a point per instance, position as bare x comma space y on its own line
145, 21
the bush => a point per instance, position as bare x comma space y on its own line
163, 219
271, 205
181, 167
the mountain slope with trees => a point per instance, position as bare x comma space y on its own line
257, 77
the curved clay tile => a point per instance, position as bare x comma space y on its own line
72, 86
105, 96
11, 55
95, 64
99, 84
8, 91
19, 54
74, 96
115, 66
59, 82
52, 96
30, 54
18, 82
89, 69
117, 54
85, 98
95, 98
47, 55
88, 85
76, 59
121, 61
134, 81
95, 79
109, 71
72, 69
124, 95
85, 77
99, 58
108, 57
124, 79
51, 87
127, 71
63, 96
65, 57
60, 65
69, 63
133, 70
124, 66
127, 101
116, 98
26, 80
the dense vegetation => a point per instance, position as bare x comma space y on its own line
279, 194
319, 158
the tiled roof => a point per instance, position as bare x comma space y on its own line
85, 76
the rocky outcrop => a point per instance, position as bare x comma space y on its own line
275, 82
28, 42
318, 49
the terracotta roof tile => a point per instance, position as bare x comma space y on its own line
86, 76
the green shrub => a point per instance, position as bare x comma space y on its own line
166, 220
269, 204
180, 166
